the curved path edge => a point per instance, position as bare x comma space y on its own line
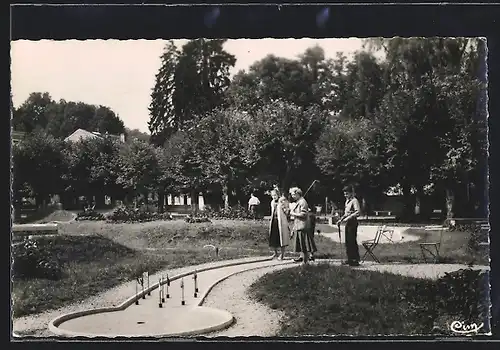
54, 324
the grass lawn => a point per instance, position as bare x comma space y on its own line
334, 300
97, 256
454, 248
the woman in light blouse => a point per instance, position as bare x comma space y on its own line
279, 229
301, 236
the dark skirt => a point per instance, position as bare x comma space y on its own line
274, 235
304, 242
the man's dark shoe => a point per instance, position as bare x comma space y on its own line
354, 263
346, 262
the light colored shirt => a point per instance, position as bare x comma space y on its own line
253, 201
352, 207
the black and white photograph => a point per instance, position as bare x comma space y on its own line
266, 187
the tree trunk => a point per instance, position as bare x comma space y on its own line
450, 199
225, 195
286, 183
419, 201
161, 201
408, 209
194, 201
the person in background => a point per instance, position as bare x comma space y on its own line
301, 236
311, 228
279, 229
350, 218
253, 204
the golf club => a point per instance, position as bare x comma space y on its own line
310, 186
340, 241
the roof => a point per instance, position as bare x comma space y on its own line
81, 134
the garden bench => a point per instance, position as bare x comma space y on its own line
33, 230
371, 244
380, 212
434, 247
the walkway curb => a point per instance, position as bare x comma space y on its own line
53, 325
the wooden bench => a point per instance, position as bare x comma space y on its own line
377, 212
20, 232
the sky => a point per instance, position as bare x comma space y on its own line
120, 74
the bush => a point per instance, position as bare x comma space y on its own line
129, 215
237, 212
193, 219
459, 294
90, 215
30, 261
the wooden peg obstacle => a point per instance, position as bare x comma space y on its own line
162, 286
168, 285
195, 279
160, 292
183, 301
142, 286
136, 291
147, 276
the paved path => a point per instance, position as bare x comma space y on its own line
175, 319
367, 232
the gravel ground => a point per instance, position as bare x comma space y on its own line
252, 319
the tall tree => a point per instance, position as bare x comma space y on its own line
223, 137
281, 141
32, 114
189, 84
92, 168
60, 119
162, 109
139, 168
418, 101
270, 79
38, 164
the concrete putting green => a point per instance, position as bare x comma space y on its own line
180, 314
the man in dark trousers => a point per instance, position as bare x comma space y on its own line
350, 218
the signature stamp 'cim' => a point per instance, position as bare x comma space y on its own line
460, 327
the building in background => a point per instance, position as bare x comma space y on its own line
17, 136
82, 134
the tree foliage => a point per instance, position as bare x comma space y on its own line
60, 119
191, 82
414, 119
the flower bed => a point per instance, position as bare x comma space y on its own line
130, 215
237, 212
90, 215
32, 261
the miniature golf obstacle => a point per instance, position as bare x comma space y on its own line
195, 279
168, 285
142, 286
160, 292
147, 276
162, 287
136, 291
183, 302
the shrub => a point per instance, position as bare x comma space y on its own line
237, 212
90, 215
30, 261
193, 219
457, 294
124, 214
